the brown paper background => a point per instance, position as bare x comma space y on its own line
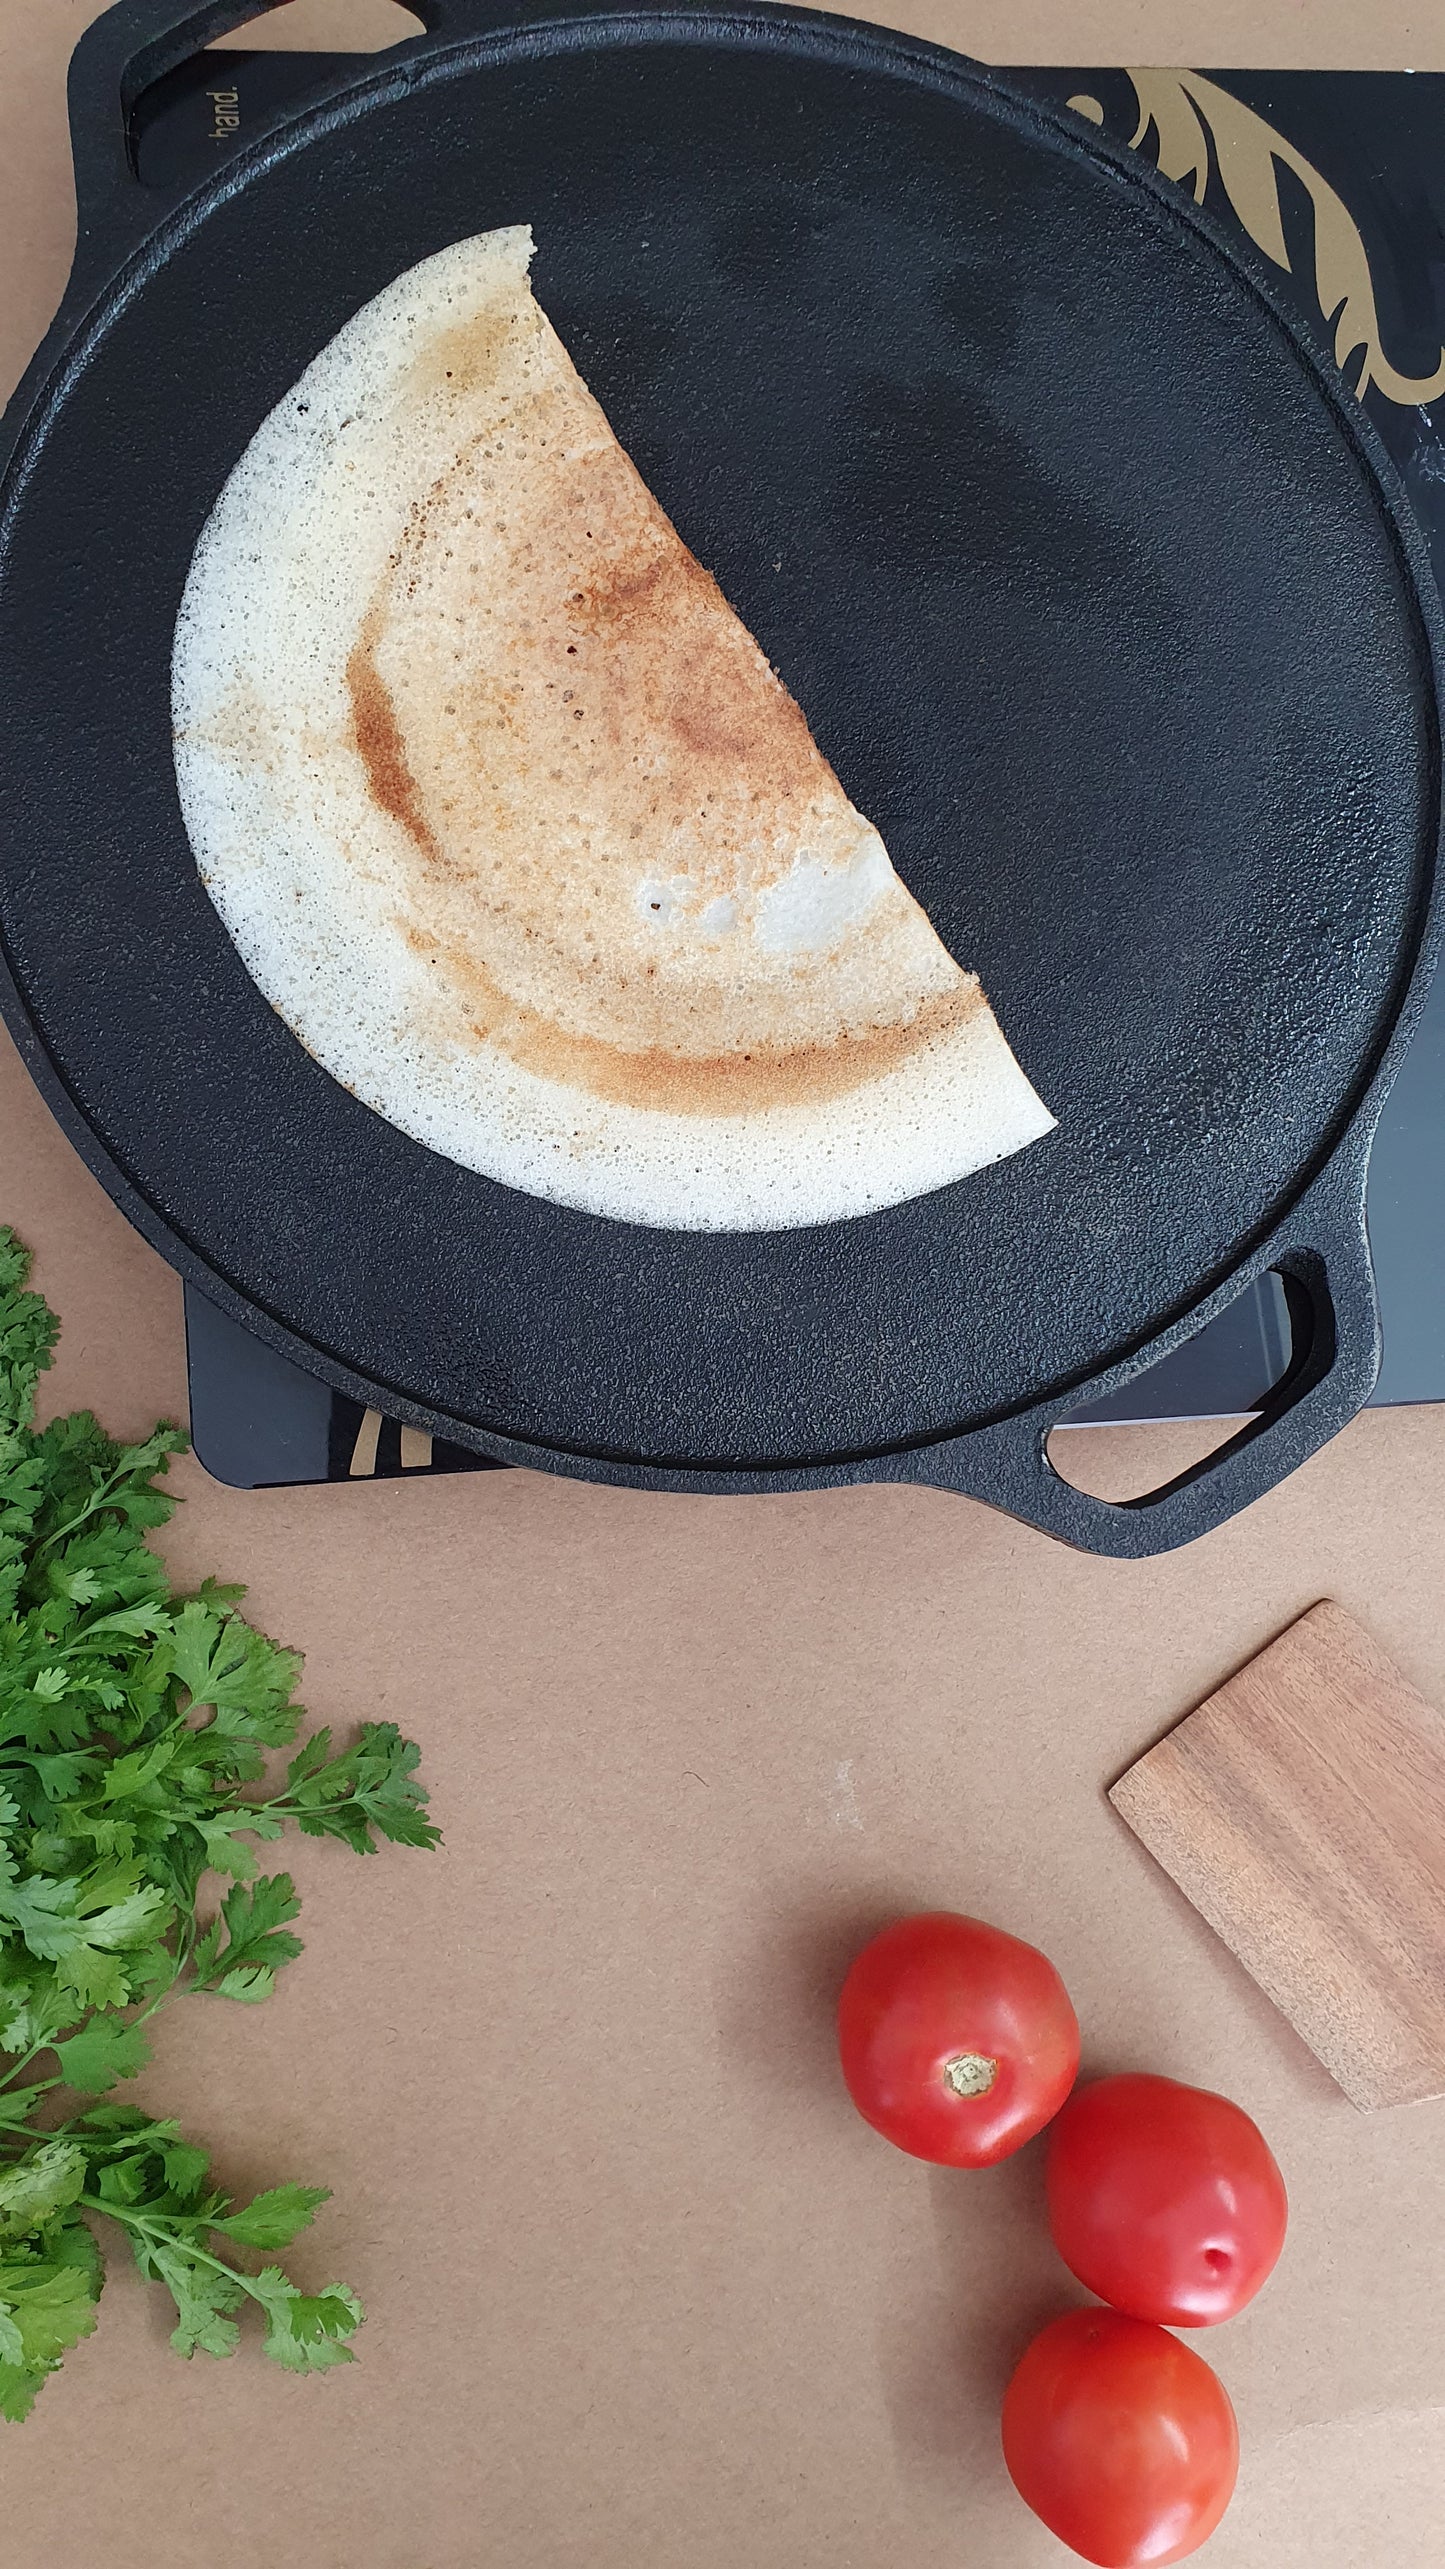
644, 2294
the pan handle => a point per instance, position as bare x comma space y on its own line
116, 61
135, 43
1322, 1252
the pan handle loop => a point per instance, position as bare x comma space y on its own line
1322, 1253
116, 61
135, 44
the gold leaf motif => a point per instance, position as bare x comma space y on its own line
363, 1452
1188, 113
1164, 103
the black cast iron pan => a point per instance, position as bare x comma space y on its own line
1098, 592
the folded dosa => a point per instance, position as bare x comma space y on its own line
514, 825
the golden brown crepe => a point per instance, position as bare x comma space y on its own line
512, 822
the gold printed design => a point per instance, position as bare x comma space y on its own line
416, 1448
363, 1453
1188, 113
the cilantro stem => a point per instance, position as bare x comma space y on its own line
24, 2062
162, 2234
284, 1809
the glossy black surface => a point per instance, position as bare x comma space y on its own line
1082, 577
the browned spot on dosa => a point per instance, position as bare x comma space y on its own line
462, 361
378, 739
674, 1082
669, 662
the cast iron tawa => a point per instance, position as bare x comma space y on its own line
1096, 589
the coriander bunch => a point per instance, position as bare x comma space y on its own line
136, 1734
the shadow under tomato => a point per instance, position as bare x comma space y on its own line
777, 2017
984, 2280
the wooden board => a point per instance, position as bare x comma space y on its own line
1302, 1810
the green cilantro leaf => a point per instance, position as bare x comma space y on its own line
275, 2218
205, 2296
48, 2304
28, 1331
35, 2188
307, 2331
104, 2050
186, 2169
244, 1962
242, 1677
373, 1785
85, 1926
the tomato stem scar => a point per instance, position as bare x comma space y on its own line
970, 2074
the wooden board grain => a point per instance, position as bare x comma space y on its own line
1302, 1810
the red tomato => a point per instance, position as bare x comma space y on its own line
1121, 2439
957, 2042
1164, 2199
